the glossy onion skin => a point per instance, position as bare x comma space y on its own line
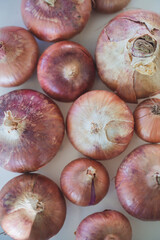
84, 182
100, 125
110, 6
108, 225
31, 130
138, 182
58, 20
18, 56
66, 70
128, 54
147, 120
31, 207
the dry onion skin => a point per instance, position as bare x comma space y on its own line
128, 54
147, 120
84, 182
107, 225
109, 6
138, 182
18, 56
31, 207
31, 130
53, 20
100, 125
66, 70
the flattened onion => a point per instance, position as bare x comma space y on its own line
31, 207
100, 125
31, 130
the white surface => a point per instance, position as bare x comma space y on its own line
10, 15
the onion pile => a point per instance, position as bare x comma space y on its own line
147, 120
52, 20
18, 56
107, 225
66, 70
100, 125
128, 54
84, 182
138, 182
109, 6
31, 130
31, 207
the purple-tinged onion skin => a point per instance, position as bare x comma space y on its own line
107, 225
100, 125
84, 182
65, 71
31, 130
58, 20
147, 120
109, 6
128, 54
18, 56
138, 182
31, 207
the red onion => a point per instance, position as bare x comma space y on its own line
138, 182
18, 56
31, 130
84, 182
31, 207
66, 70
109, 6
100, 125
53, 20
147, 120
128, 54
107, 225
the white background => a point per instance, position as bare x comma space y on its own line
10, 15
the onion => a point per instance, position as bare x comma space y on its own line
128, 54
31, 207
147, 120
31, 130
109, 6
18, 56
107, 225
100, 125
84, 182
66, 70
52, 20
138, 182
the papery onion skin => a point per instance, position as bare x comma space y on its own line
66, 70
31, 207
18, 56
84, 182
53, 20
31, 130
108, 225
138, 182
147, 120
100, 125
109, 6
128, 54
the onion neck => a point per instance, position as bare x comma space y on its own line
29, 202
2, 50
157, 176
71, 71
144, 47
156, 110
111, 237
91, 174
13, 123
94, 128
50, 2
